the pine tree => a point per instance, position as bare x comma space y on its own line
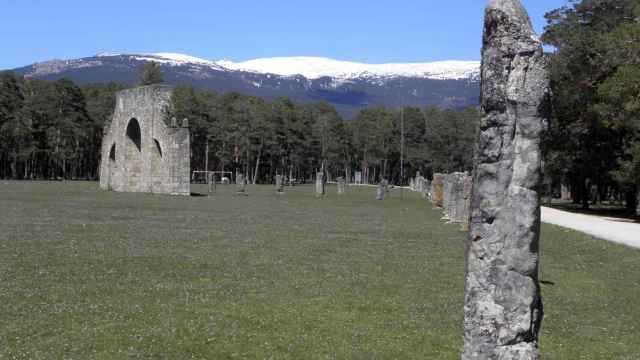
151, 74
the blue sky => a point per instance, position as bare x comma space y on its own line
374, 31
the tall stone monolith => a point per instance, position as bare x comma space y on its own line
319, 184
382, 189
437, 189
279, 184
503, 308
638, 202
467, 186
341, 185
241, 184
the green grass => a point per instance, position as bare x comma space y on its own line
86, 274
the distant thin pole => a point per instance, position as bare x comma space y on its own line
401, 150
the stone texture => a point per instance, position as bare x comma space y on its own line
437, 189
357, 177
140, 152
447, 187
419, 183
638, 202
455, 204
467, 188
503, 308
341, 185
565, 192
426, 187
320, 184
241, 184
382, 190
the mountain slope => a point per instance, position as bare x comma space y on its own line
348, 86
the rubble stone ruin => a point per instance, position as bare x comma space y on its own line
141, 150
503, 308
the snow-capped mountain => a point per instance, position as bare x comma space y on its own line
347, 85
318, 67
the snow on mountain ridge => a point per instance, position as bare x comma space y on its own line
317, 67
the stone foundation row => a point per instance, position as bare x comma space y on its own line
451, 192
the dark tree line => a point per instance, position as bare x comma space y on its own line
593, 144
263, 138
53, 130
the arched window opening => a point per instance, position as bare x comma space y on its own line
133, 133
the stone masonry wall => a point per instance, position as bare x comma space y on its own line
140, 151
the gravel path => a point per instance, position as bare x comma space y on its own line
620, 231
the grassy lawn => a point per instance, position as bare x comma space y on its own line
86, 274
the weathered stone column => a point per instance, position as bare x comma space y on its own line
638, 202
240, 184
565, 192
466, 194
437, 186
319, 184
503, 308
446, 195
382, 189
341, 185
426, 186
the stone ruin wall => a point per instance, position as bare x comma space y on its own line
140, 151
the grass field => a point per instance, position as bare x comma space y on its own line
86, 274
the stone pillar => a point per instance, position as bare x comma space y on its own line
211, 180
426, 185
341, 185
638, 202
319, 184
456, 205
382, 190
437, 189
565, 192
503, 307
240, 184
446, 195
467, 187
280, 184
358, 177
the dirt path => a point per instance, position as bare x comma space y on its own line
616, 230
